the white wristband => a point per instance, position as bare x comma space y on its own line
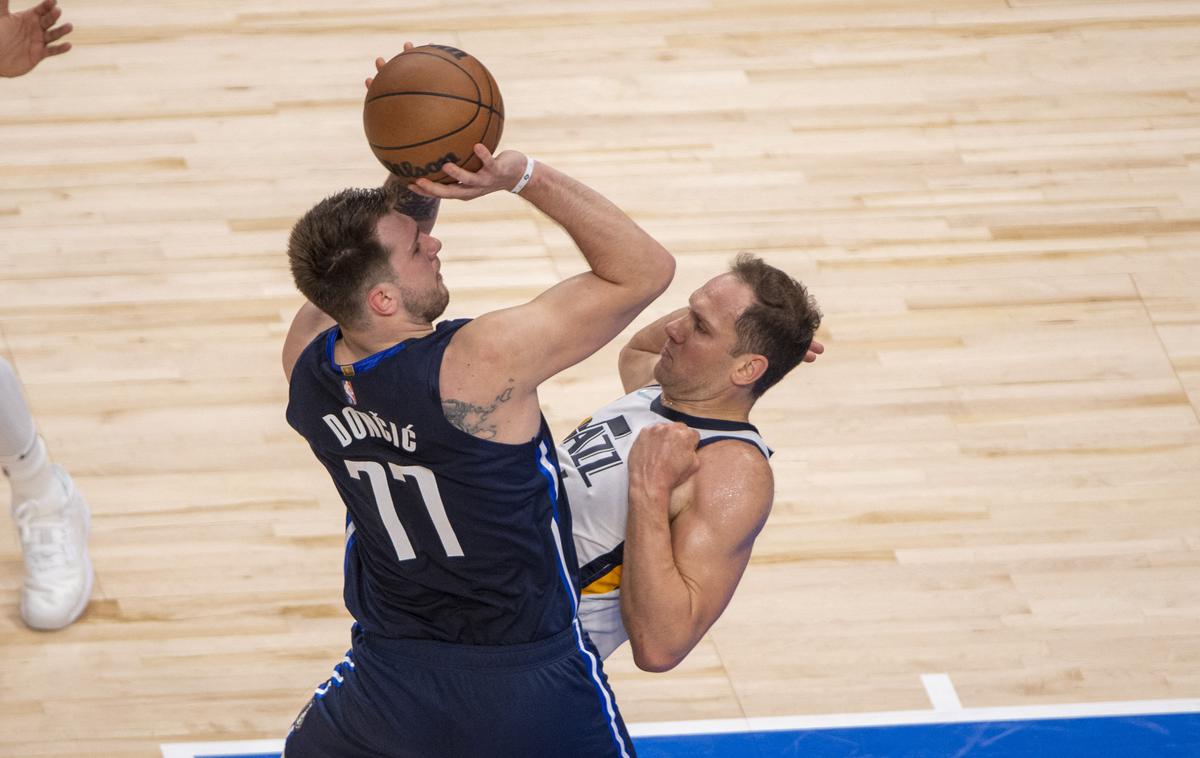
525, 177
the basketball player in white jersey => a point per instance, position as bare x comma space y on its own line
670, 485
50, 514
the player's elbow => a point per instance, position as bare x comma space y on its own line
655, 656
652, 274
662, 271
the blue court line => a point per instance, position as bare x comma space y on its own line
1172, 735
1153, 736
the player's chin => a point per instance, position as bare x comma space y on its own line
660, 372
443, 301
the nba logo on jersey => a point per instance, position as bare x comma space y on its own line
349, 389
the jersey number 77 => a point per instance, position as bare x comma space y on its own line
430, 497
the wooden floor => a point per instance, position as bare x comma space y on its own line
993, 473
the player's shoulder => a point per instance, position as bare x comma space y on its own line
733, 490
736, 470
737, 458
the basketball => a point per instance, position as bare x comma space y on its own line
429, 106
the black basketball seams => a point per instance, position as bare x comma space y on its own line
491, 97
472, 120
468, 74
445, 81
476, 102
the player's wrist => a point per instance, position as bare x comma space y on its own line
652, 488
526, 176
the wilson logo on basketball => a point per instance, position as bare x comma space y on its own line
409, 171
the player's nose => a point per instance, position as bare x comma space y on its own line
433, 246
675, 329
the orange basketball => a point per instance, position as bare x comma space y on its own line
429, 106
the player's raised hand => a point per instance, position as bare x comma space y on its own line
499, 172
379, 62
26, 38
664, 455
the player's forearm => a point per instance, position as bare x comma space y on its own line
308, 322
651, 338
311, 320
636, 361
656, 601
423, 210
615, 247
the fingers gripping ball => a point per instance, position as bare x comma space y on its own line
428, 106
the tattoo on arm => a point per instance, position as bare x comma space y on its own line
417, 207
411, 204
473, 419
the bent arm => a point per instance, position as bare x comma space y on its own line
679, 576
641, 353
308, 322
422, 209
576, 317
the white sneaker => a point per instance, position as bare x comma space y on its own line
58, 573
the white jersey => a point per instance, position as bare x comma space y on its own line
592, 460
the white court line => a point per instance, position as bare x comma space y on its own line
245, 747
941, 692
779, 723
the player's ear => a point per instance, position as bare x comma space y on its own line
383, 299
748, 368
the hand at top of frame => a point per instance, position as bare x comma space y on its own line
27, 37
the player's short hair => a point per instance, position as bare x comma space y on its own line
779, 324
335, 253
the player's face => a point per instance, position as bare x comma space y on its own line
696, 357
418, 269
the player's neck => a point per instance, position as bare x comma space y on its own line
355, 345
726, 406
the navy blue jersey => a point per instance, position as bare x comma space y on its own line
449, 537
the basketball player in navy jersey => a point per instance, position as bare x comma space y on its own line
460, 571
670, 485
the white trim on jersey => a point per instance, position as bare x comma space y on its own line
556, 533
548, 467
593, 663
551, 473
608, 702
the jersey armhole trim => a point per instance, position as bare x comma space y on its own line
761, 447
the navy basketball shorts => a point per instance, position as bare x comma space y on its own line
391, 698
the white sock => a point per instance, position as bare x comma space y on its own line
22, 452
